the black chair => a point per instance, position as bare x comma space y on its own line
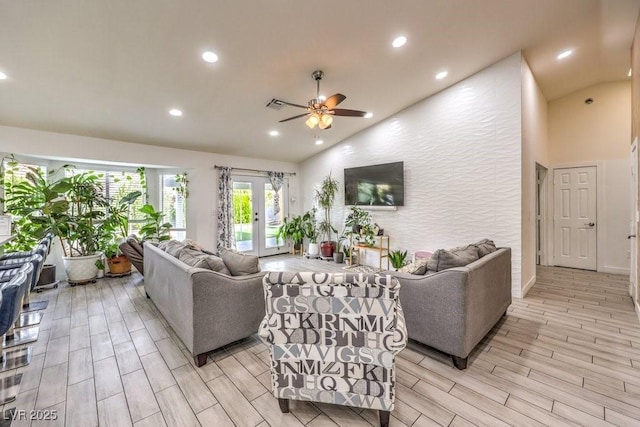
10, 305
37, 259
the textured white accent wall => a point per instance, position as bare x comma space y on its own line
535, 149
462, 153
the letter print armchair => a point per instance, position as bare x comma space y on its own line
333, 338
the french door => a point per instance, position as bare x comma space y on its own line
258, 213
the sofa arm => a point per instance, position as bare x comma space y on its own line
225, 308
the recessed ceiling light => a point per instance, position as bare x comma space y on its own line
629, 73
368, 115
3, 76
565, 54
399, 41
274, 133
175, 112
442, 74
319, 142
210, 57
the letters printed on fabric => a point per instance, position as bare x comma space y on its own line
333, 336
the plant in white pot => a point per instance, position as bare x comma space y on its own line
312, 233
69, 207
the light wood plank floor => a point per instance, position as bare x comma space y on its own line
567, 354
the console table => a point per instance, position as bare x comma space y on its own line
381, 246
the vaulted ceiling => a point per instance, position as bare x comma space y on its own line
113, 69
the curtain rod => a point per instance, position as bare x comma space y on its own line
253, 170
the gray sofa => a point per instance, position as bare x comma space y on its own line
205, 308
452, 310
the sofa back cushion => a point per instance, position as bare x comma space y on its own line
457, 257
239, 264
196, 258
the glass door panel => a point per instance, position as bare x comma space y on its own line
242, 215
258, 213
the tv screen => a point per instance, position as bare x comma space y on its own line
377, 185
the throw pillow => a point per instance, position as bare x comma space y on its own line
239, 264
418, 267
195, 258
485, 247
457, 257
174, 248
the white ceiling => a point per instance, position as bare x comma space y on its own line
112, 69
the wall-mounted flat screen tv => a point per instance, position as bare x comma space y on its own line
377, 185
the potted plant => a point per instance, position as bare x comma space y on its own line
113, 229
70, 208
311, 231
293, 229
359, 227
398, 259
325, 196
152, 227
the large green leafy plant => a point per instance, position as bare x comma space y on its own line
153, 227
70, 207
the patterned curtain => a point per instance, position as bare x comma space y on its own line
226, 235
277, 179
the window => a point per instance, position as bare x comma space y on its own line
117, 184
14, 173
173, 203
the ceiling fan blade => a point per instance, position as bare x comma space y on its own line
348, 113
334, 100
294, 117
293, 105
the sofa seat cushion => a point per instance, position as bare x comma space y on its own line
196, 258
458, 257
418, 267
240, 264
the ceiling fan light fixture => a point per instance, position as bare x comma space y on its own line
313, 120
326, 120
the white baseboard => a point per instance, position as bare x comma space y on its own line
614, 270
527, 287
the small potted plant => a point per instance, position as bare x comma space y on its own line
398, 259
152, 227
311, 231
113, 229
293, 229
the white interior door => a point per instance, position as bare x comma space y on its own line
256, 216
633, 229
575, 221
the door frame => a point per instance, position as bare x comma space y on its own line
633, 226
542, 198
600, 197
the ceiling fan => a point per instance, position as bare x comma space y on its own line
320, 112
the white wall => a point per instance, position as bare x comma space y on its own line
202, 206
534, 150
599, 134
462, 153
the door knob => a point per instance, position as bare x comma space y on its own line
590, 224
631, 235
